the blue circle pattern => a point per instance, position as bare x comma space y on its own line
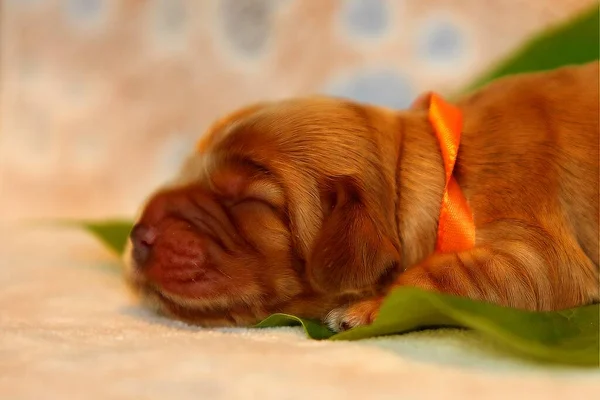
384, 88
442, 43
366, 17
84, 9
172, 16
247, 24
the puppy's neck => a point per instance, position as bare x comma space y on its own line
419, 186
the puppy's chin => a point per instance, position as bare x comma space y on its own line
173, 308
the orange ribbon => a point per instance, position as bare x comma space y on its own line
456, 230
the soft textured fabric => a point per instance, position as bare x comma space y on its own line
69, 329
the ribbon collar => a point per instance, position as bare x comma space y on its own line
456, 230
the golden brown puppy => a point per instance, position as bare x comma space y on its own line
319, 206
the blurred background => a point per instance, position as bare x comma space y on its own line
100, 100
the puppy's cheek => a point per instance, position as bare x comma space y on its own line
262, 228
271, 239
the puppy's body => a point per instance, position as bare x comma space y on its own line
536, 138
345, 200
528, 165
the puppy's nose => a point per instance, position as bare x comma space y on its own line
142, 238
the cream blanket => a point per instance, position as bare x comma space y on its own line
69, 330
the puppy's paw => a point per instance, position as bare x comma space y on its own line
357, 314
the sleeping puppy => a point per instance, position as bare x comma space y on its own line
318, 207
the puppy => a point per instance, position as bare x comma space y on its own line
318, 207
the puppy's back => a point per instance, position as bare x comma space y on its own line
534, 138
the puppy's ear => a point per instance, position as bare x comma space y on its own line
352, 251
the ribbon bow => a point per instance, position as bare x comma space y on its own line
456, 230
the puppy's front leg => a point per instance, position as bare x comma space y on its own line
517, 278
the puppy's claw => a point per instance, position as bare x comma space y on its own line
344, 318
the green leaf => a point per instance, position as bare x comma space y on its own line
314, 329
568, 337
576, 41
113, 234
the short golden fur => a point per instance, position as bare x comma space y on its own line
319, 206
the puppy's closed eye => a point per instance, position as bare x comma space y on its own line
267, 192
247, 182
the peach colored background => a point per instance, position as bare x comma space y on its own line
100, 100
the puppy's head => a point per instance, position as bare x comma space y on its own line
283, 207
